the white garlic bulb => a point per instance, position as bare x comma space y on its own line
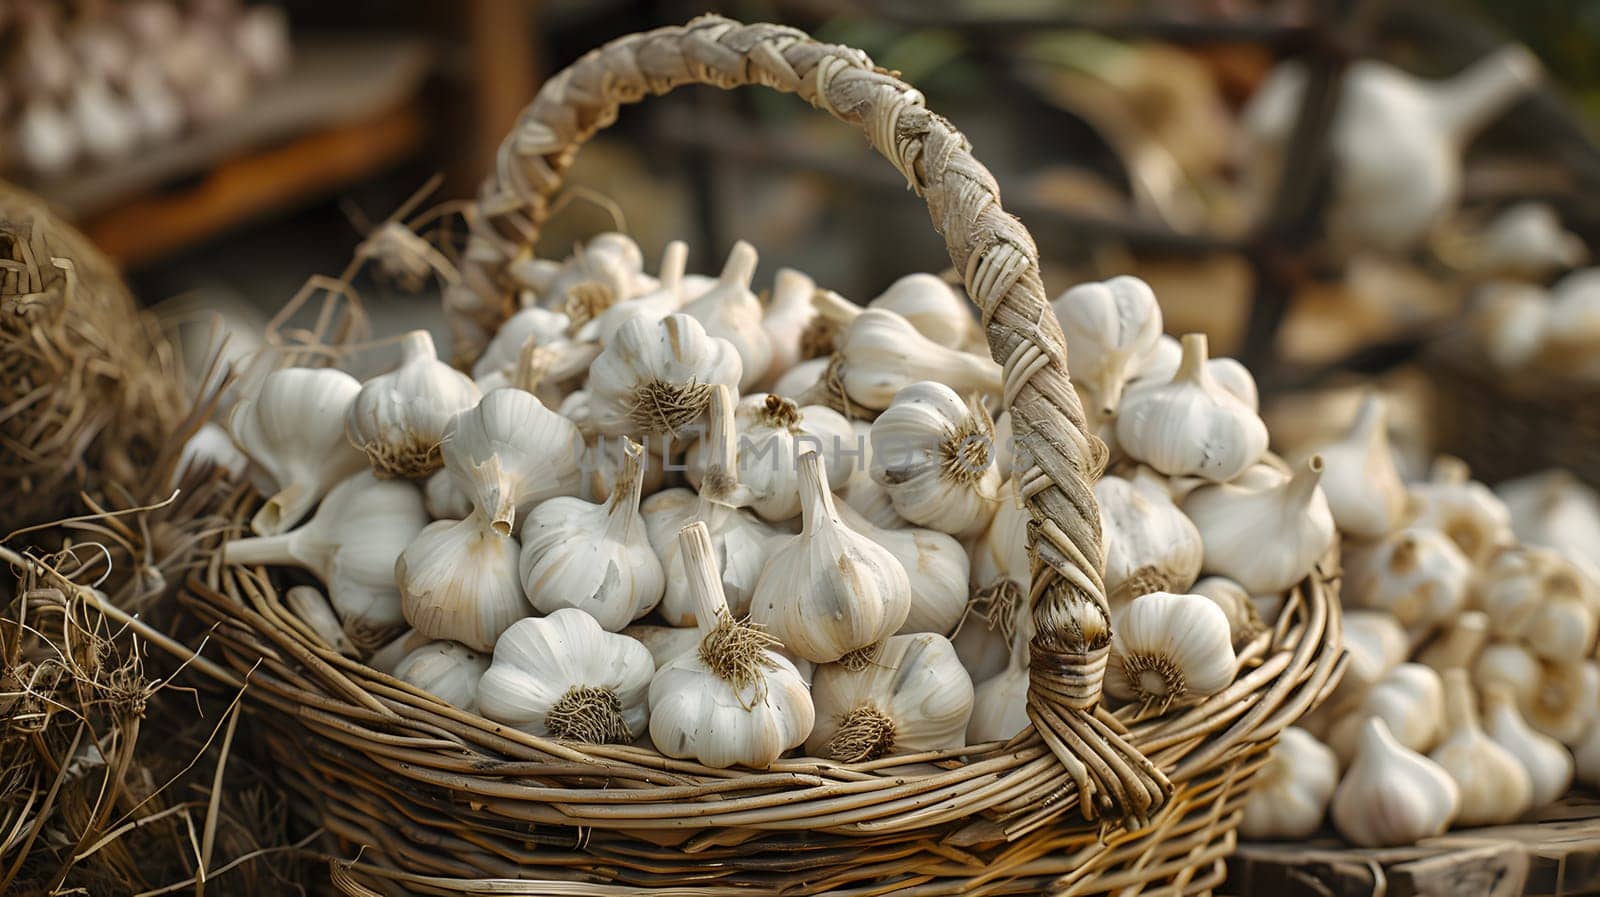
1510, 321
563, 676
1290, 795
936, 567
539, 327
1555, 510
770, 431
1549, 764
593, 557
1266, 539
443, 500
1457, 644
731, 312
932, 306
1150, 545
655, 378
1408, 699
1244, 620
652, 306
829, 590
1375, 644
1168, 648
508, 453
1363, 486
1494, 787
1000, 702
1417, 574
1527, 240
312, 607
293, 429
860, 491
664, 642
610, 263
350, 543
934, 454
883, 354
912, 695
734, 699
446, 670
799, 380
785, 321
210, 448
1466, 511
458, 581
1392, 796
47, 142
1191, 425
1110, 327
1560, 700
1515, 583
1563, 628
398, 418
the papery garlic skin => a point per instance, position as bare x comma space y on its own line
1417, 574
829, 590
1110, 328
446, 670
912, 696
883, 354
934, 453
562, 676
1151, 546
1392, 796
771, 430
1363, 486
1494, 787
1266, 539
1168, 648
398, 418
1290, 795
657, 378
458, 581
508, 453
932, 306
293, 429
1547, 761
1191, 426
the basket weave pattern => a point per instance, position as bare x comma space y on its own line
442, 799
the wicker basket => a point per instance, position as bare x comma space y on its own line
428, 799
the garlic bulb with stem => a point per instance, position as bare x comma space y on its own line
313, 609
1363, 486
293, 429
1191, 426
830, 590
1417, 574
398, 418
883, 353
1150, 545
508, 453
730, 311
1547, 761
1266, 539
910, 695
936, 567
666, 298
1392, 796
1465, 510
1110, 327
1000, 702
932, 306
564, 677
934, 454
655, 379
1560, 700
1290, 794
593, 557
1408, 699
770, 432
1244, 620
539, 327
1375, 644
1494, 787
458, 581
1457, 643
787, 316
446, 670
1169, 649
350, 543
734, 699
740, 541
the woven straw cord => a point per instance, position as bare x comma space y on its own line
1001, 268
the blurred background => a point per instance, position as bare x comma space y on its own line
225, 150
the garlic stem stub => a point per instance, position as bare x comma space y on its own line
1192, 426
510, 452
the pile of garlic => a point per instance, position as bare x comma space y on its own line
1472, 693
665, 510
1529, 329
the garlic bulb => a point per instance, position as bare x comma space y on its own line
312, 607
1563, 627
734, 700
652, 306
934, 454
860, 491
443, 500
911, 696
605, 270
446, 670
740, 541
1392, 796
1558, 700
829, 590
1244, 620
106, 126
1494, 787
1527, 240
1168, 648
797, 381
999, 583
47, 142
458, 581
1515, 584
1375, 644
539, 326
1417, 574
593, 557
1266, 539
932, 306
350, 544
1408, 700
1547, 761
563, 676
294, 430
1150, 545
657, 378
386, 658
1458, 643
936, 567
730, 311
1510, 321
770, 432
508, 453
785, 321
1555, 510
398, 418
1000, 703
1472, 516
1110, 328
1364, 489
1191, 426
883, 354
1290, 795
210, 448
664, 642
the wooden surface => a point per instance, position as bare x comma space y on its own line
1558, 855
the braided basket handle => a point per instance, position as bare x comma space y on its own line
1000, 266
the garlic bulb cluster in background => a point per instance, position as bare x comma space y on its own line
1528, 330
97, 82
664, 509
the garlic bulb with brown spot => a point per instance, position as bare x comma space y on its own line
1363, 486
508, 453
1494, 787
398, 418
731, 312
446, 670
1417, 574
1150, 545
655, 379
934, 454
1192, 425
912, 695
1266, 539
1169, 649
293, 429
1110, 328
